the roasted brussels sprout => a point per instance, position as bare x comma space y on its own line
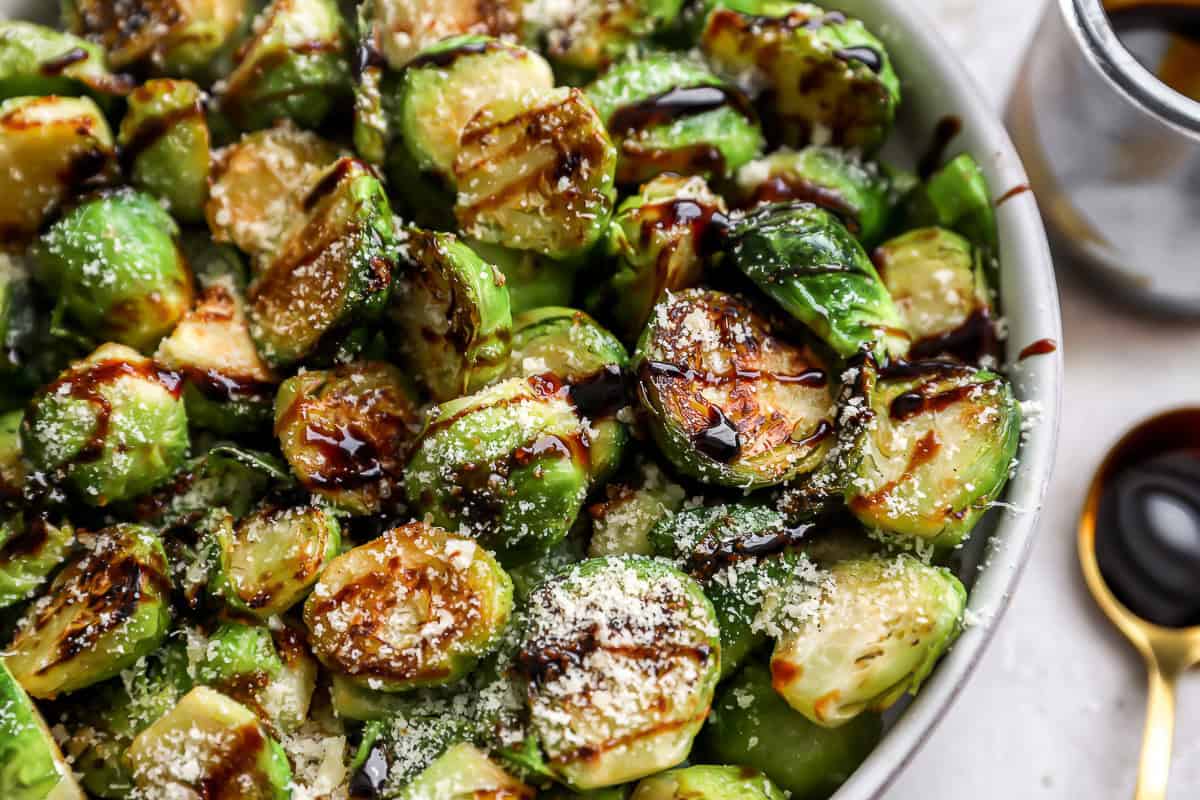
621, 523
295, 66
452, 313
584, 37
752, 725
402, 29
334, 271
273, 557
882, 625
39, 61
209, 745
52, 146
661, 239
669, 113
824, 78
508, 466
622, 657
415, 607
112, 426
31, 547
464, 772
956, 197
536, 174
164, 143
807, 261
107, 608
728, 402
532, 280
33, 767
938, 452
703, 782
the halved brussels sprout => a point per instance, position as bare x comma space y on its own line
165, 145
728, 402
404, 28
295, 66
752, 725
704, 782
810, 264
112, 426
452, 313
259, 185
31, 547
622, 656
532, 280
857, 191
347, 432
536, 173
508, 466
463, 772
49, 148
621, 523
107, 608
584, 37
938, 452
40, 61
883, 624
334, 271
209, 745
415, 607
956, 197
824, 78
661, 240
31, 765
273, 557
668, 113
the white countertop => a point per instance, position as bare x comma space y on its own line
1056, 707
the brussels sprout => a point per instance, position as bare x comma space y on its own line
703, 782
809, 263
622, 657
463, 772
226, 477
668, 113
165, 145
259, 185
532, 280
31, 765
347, 432
824, 78
584, 37
295, 66
31, 547
956, 197
622, 522
729, 403
452, 313
661, 239
938, 452
752, 725
209, 746
36, 60
536, 174
508, 466
857, 191
51, 147
334, 271
273, 557
106, 609
112, 426
415, 607
12, 457
405, 28
881, 627
353, 701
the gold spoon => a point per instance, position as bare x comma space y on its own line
1166, 651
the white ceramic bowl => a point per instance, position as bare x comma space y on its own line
935, 86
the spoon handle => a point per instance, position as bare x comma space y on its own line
1157, 740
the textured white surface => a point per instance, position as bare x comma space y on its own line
1055, 708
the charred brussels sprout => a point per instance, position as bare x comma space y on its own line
661, 240
668, 113
347, 432
415, 607
335, 270
622, 659
938, 452
295, 66
107, 608
825, 78
402, 29
807, 261
225, 748
728, 402
453, 314
703, 782
31, 765
752, 725
112, 426
956, 197
583, 37
165, 145
145, 286
508, 465
31, 547
532, 280
49, 147
36, 60
881, 627
621, 523
536, 174
273, 557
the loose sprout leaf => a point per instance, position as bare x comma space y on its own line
33, 766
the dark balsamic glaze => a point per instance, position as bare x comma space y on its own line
227, 388
445, 58
872, 58
971, 341
601, 395
675, 104
152, 130
910, 404
712, 554
947, 129
814, 378
350, 458
709, 226
329, 181
1042, 347
1016, 191
720, 441
784, 189
59, 64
